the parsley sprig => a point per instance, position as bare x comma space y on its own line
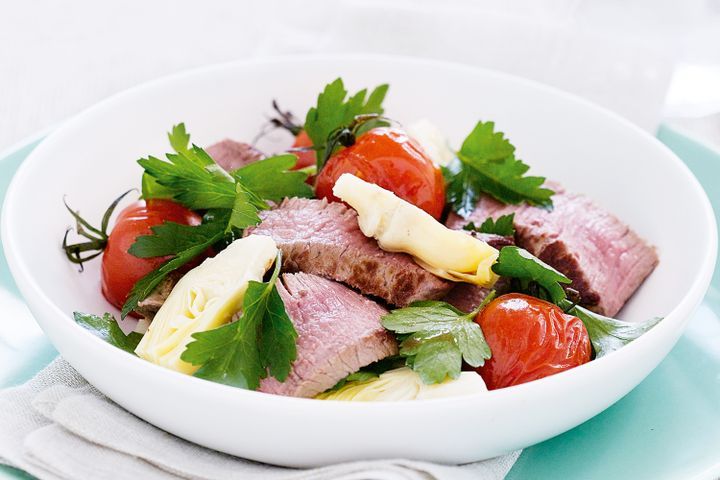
503, 226
335, 110
370, 372
608, 334
486, 163
260, 343
436, 337
190, 175
530, 273
232, 200
106, 328
273, 178
532, 276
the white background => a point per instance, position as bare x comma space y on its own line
59, 57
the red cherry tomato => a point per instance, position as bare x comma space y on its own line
120, 270
389, 158
529, 339
306, 158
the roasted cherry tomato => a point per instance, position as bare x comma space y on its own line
389, 158
306, 158
529, 339
120, 269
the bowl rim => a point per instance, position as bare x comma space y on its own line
675, 318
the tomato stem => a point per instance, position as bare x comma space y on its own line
346, 135
488, 298
97, 237
573, 296
285, 119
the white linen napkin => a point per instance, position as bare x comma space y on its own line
58, 427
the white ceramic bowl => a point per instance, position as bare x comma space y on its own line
91, 158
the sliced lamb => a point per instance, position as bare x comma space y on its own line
495, 241
466, 297
324, 239
339, 332
150, 305
605, 260
232, 155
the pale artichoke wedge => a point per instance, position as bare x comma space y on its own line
399, 226
432, 141
205, 298
404, 384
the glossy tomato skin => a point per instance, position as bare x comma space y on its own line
120, 270
306, 158
389, 158
529, 339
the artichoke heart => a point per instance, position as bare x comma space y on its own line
205, 298
432, 141
399, 226
404, 384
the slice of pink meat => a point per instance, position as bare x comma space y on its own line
604, 258
339, 332
324, 239
232, 155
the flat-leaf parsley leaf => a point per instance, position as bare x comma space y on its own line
436, 337
333, 111
502, 226
260, 343
608, 334
486, 163
106, 328
191, 177
517, 263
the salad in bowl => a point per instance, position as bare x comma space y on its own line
366, 261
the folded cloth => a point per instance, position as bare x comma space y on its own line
57, 426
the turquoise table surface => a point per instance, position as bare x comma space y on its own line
666, 428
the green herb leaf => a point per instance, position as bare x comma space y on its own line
261, 342
374, 103
189, 175
433, 358
514, 262
171, 238
486, 163
333, 111
462, 190
502, 226
371, 371
179, 138
608, 334
184, 242
152, 189
487, 145
192, 177
273, 178
106, 327
198, 187
360, 376
435, 337
245, 209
